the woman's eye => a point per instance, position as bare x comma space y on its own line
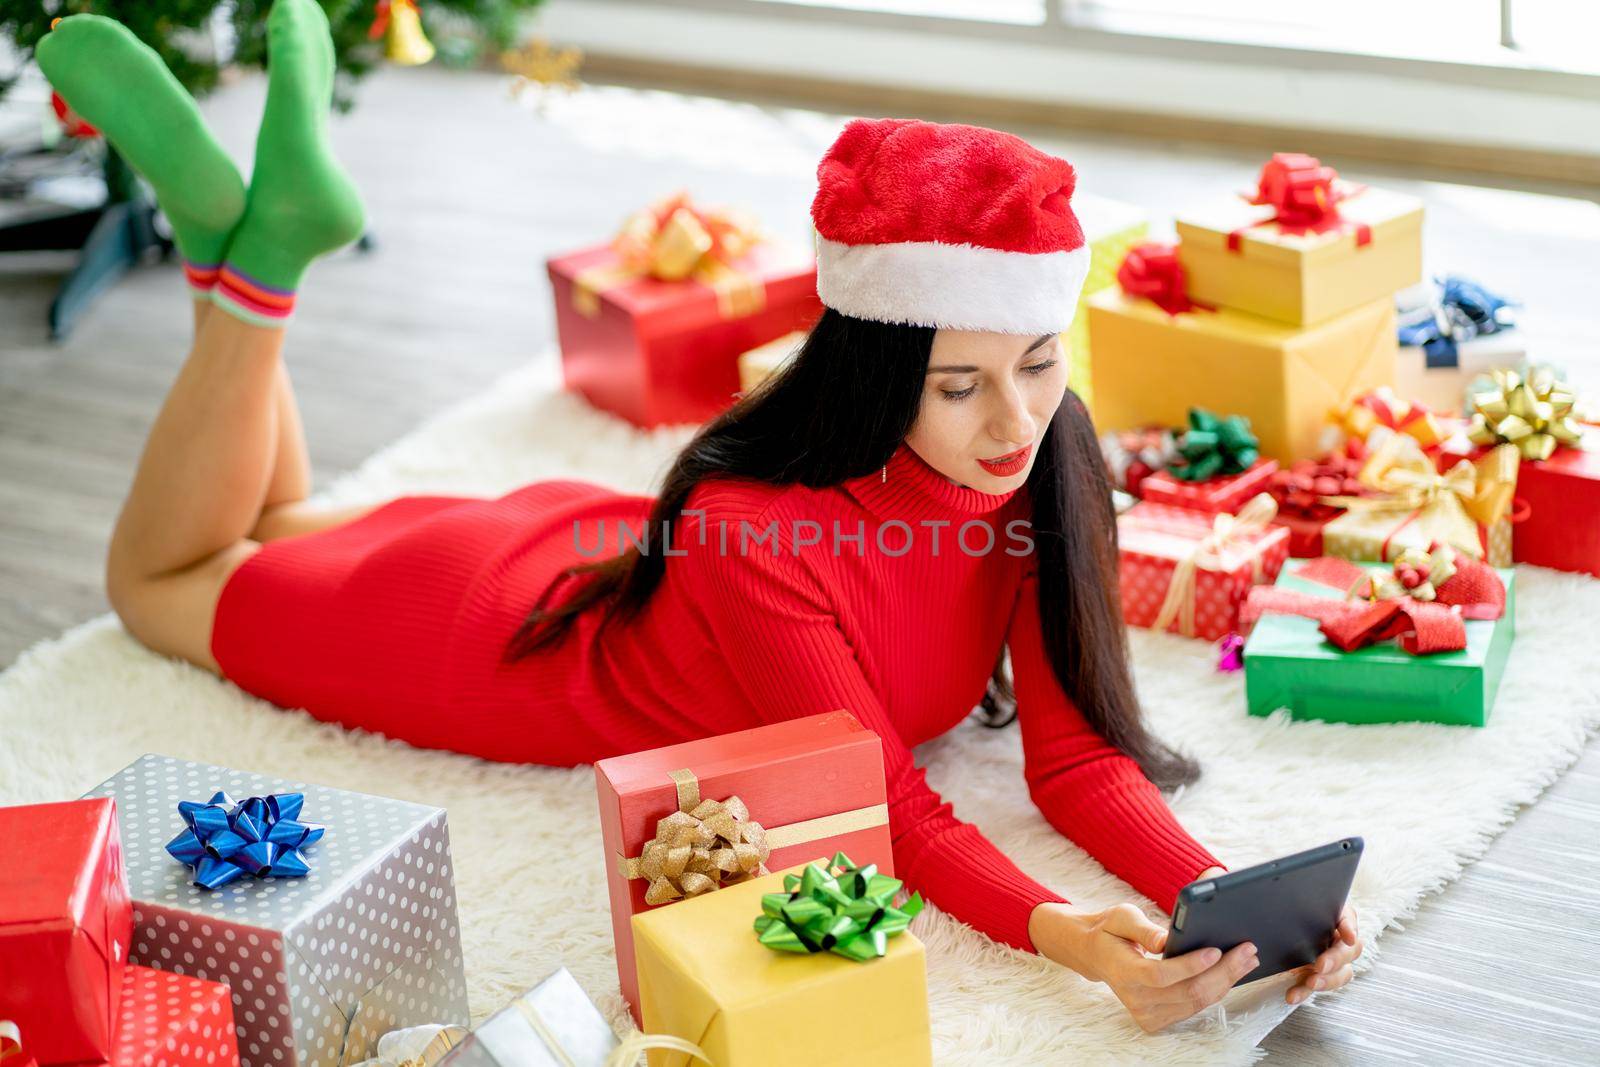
959, 394
1040, 368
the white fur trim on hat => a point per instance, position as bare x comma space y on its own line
957, 287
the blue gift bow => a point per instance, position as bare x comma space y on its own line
1464, 310
226, 840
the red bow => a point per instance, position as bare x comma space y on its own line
1421, 628
1300, 487
1152, 270
1301, 191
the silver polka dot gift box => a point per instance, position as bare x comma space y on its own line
325, 951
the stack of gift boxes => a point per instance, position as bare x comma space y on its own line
187, 915
686, 308
183, 914
1253, 390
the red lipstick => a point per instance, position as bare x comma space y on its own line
1007, 465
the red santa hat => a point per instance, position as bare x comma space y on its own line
946, 225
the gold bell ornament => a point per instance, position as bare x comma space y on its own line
399, 23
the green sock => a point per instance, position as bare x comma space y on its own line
301, 202
119, 85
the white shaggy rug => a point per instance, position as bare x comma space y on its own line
1426, 798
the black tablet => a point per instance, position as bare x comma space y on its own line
1287, 908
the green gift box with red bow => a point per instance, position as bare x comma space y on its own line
1291, 663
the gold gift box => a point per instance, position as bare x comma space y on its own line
1302, 278
705, 977
1111, 228
1151, 367
762, 362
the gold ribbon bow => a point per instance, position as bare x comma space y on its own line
707, 844
1418, 573
1446, 508
1226, 531
704, 845
1532, 412
674, 240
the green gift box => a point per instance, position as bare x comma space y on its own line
1289, 664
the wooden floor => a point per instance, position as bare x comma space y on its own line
468, 193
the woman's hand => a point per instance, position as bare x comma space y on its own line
1119, 946
1332, 969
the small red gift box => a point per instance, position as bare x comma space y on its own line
657, 352
1225, 494
172, 1020
1561, 498
66, 921
814, 785
1212, 560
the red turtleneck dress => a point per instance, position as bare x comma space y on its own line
396, 623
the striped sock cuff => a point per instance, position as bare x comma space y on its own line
201, 276
255, 302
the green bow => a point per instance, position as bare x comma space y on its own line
1214, 446
835, 907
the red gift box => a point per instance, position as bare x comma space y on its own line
657, 352
1225, 494
66, 920
1155, 539
172, 1020
1561, 498
815, 785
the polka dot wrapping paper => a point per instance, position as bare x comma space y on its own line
169, 1020
320, 966
1153, 538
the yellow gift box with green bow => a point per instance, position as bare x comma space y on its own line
794, 969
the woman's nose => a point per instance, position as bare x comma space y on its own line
1012, 423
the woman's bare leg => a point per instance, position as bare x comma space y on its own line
198, 489
285, 511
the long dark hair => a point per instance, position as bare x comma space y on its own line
837, 411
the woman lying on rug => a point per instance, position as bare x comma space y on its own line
870, 530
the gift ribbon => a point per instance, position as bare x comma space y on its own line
835, 906
443, 1038
636, 1044
1382, 407
1304, 195
1151, 270
12, 1054
674, 240
1131, 455
260, 836
1449, 506
1214, 446
1363, 618
1299, 489
1533, 412
1458, 311
1226, 531
707, 844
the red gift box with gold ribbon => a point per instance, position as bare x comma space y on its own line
1558, 484
66, 921
1189, 572
653, 322
688, 819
